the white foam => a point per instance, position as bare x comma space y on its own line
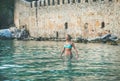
9, 66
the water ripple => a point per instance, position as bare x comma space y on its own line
39, 61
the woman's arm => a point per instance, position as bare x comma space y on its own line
75, 50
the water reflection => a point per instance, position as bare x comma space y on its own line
39, 61
69, 70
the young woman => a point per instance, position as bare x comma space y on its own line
67, 51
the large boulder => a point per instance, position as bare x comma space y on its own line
5, 34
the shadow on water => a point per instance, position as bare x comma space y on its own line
67, 62
6, 53
69, 71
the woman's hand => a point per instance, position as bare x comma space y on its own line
77, 56
75, 51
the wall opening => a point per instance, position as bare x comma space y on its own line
66, 25
53, 2
63, 1
79, 1
31, 4
58, 2
73, 1
40, 3
86, 1
85, 25
103, 24
57, 34
110, 0
49, 2
35, 3
44, 2
68, 1
94, 0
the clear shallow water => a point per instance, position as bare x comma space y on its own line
39, 61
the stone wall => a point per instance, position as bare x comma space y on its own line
85, 18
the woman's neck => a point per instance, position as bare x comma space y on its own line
68, 40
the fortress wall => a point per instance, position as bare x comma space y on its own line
45, 18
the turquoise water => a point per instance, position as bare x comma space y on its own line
40, 61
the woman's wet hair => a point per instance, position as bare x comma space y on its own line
69, 37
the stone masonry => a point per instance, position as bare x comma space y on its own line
79, 18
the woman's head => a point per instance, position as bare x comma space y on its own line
68, 37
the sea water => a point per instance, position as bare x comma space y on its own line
40, 61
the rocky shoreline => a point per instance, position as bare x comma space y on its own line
23, 34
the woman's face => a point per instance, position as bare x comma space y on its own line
67, 37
